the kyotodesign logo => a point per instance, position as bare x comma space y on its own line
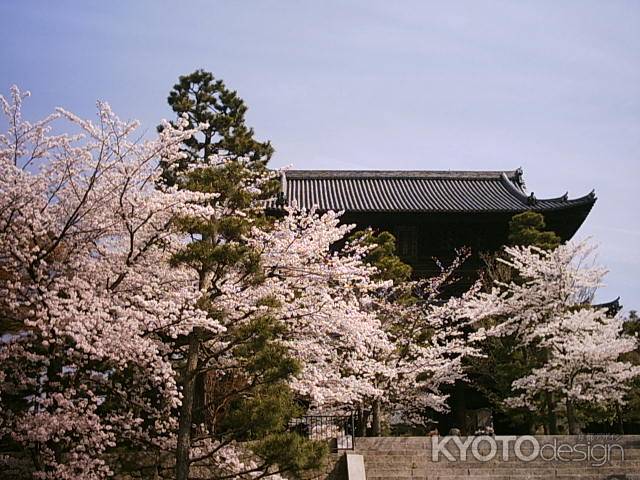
597, 450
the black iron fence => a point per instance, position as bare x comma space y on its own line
337, 429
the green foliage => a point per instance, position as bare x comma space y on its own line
383, 255
267, 410
631, 413
264, 359
505, 360
240, 178
291, 452
202, 99
230, 179
242, 392
261, 405
527, 228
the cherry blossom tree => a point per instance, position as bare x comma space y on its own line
429, 339
331, 330
182, 320
584, 364
87, 290
359, 338
549, 309
106, 284
100, 302
432, 338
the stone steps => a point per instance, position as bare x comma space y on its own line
411, 459
470, 463
516, 472
581, 476
600, 475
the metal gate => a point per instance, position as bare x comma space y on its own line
340, 428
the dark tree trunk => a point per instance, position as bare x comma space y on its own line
619, 421
574, 429
361, 424
375, 419
552, 419
186, 409
52, 385
460, 409
530, 425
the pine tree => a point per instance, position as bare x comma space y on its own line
528, 228
200, 99
382, 255
235, 381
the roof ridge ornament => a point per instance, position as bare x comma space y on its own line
531, 199
513, 187
519, 178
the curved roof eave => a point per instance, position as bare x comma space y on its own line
560, 202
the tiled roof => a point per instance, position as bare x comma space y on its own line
612, 307
417, 191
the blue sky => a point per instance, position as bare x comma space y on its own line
551, 86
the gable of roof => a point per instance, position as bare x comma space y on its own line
417, 191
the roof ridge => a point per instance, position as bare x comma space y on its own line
448, 174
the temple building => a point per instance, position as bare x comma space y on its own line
432, 213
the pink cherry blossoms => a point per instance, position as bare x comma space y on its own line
87, 289
100, 316
550, 310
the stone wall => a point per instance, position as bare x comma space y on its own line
144, 466
148, 466
442, 458
502, 458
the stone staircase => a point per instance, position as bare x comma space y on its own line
405, 458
